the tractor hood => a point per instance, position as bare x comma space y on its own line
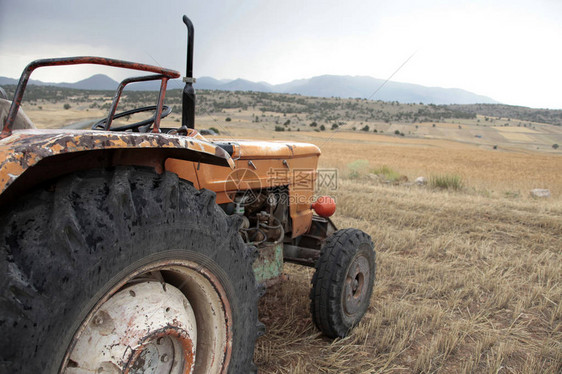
259, 149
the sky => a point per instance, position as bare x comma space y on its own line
508, 50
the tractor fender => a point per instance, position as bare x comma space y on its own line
30, 157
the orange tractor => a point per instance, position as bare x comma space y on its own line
142, 249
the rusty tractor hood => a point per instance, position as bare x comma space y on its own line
25, 148
259, 149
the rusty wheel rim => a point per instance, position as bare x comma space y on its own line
167, 317
355, 286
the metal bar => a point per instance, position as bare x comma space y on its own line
18, 95
119, 91
161, 95
300, 254
300, 261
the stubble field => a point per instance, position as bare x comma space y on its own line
468, 281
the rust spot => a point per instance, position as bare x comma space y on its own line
136, 361
228, 313
18, 95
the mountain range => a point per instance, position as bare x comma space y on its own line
343, 86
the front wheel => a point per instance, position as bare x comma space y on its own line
343, 282
125, 270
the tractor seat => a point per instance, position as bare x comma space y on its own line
22, 121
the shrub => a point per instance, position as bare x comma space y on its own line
313, 124
215, 130
357, 168
387, 173
397, 132
66, 106
446, 182
279, 128
334, 126
555, 146
366, 128
322, 127
228, 119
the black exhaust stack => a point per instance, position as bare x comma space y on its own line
188, 97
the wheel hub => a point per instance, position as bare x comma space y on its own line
355, 289
148, 327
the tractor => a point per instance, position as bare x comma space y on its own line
137, 248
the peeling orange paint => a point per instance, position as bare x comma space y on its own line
25, 148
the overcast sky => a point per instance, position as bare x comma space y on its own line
506, 49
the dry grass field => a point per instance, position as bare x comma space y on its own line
509, 171
465, 284
468, 280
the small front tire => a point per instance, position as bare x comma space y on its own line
343, 282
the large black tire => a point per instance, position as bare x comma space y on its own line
343, 282
65, 245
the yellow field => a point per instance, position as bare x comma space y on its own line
517, 129
507, 170
468, 281
465, 284
517, 137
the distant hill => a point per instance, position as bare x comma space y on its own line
95, 82
328, 110
320, 86
353, 87
551, 116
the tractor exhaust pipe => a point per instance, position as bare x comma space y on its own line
188, 97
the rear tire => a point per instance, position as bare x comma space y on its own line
70, 247
343, 282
